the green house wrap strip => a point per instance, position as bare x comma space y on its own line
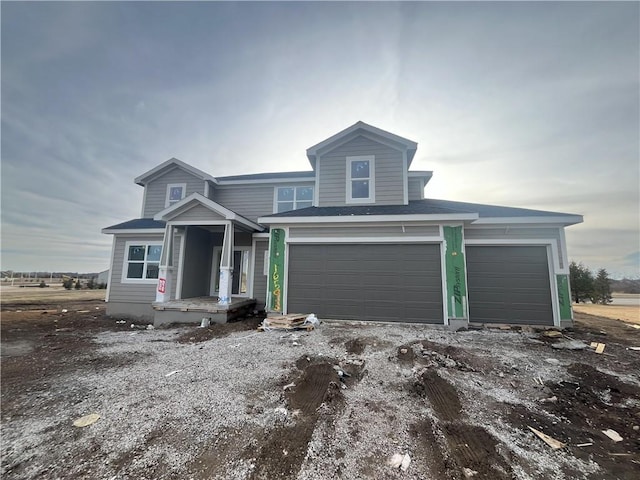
276, 270
456, 273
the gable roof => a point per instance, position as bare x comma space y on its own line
172, 163
479, 213
186, 203
360, 128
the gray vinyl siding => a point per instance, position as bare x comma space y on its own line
251, 201
136, 292
156, 190
509, 284
518, 233
416, 189
259, 278
196, 269
366, 282
364, 231
389, 172
199, 213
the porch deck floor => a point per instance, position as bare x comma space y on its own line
203, 304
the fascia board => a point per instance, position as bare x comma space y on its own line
114, 231
222, 183
368, 218
555, 220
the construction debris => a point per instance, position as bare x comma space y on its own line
570, 345
552, 442
400, 461
86, 420
468, 473
291, 321
552, 333
613, 435
598, 346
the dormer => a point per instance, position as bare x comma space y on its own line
363, 165
170, 182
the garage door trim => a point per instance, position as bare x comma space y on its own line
438, 244
552, 263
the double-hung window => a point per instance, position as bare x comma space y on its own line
142, 262
175, 193
361, 179
293, 198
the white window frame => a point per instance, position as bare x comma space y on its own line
372, 179
215, 271
125, 262
295, 200
167, 201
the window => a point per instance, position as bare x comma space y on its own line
175, 193
142, 262
360, 179
293, 198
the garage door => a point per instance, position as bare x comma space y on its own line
509, 284
397, 283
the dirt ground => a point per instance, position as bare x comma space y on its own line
229, 402
625, 313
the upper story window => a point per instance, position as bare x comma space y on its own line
175, 193
361, 179
293, 198
142, 262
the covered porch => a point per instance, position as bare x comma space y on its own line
207, 272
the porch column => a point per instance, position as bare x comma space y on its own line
226, 266
165, 273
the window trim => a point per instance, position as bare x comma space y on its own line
125, 262
372, 179
295, 200
167, 202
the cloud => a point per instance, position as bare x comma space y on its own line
531, 105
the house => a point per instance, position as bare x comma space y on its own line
352, 238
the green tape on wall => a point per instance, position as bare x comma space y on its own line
564, 296
276, 270
455, 268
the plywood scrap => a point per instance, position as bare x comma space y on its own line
291, 321
552, 442
600, 348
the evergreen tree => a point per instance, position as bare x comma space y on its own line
602, 288
581, 280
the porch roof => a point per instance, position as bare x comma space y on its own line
219, 214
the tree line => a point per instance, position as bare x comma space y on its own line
584, 286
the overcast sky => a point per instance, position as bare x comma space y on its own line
529, 105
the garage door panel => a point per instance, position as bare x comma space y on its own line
509, 284
367, 282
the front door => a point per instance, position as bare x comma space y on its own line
240, 281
